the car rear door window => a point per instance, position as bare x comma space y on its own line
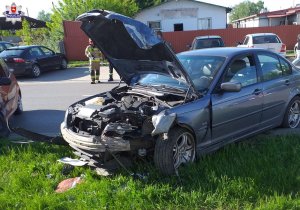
270, 66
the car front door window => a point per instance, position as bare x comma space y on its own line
242, 70
35, 52
47, 51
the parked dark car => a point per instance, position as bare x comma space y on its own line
179, 106
10, 98
5, 45
201, 42
32, 60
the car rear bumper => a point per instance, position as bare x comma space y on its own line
20, 68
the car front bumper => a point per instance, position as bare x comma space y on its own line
94, 144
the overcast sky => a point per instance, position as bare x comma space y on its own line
34, 6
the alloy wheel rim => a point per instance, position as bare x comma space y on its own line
294, 114
184, 150
64, 64
36, 71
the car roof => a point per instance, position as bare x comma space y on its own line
4, 42
24, 47
262, 34
208, 36
222, 51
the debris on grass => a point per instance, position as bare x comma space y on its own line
68, 184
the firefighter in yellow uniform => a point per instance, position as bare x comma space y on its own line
94, 55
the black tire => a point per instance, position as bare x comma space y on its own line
35, 71
64, 64
292, 114
166, 155
4, 130
19, 109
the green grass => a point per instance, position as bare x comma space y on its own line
290, 53
263, 173
73, 64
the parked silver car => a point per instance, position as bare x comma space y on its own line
177, 107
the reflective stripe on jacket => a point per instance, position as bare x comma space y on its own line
93, 53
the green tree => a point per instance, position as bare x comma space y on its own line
142, 4
44, 16
70, 9
245, 9
25, 33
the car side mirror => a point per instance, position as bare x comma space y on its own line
239, 43
231, 87
5, 81
188, 46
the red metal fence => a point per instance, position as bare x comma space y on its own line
75, 40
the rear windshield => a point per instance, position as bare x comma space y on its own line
265, 39
208, 43
11, 52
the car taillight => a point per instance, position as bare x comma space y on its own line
19, 60
283, 48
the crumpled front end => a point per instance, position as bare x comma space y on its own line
120, 120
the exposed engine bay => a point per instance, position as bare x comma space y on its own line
123, 113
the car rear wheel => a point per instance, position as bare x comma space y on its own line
64, 64
177, 150
292, 114
19, 109
36, 71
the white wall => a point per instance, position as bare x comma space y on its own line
186, 12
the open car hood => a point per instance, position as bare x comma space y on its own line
131, 46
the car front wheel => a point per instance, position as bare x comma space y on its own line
36, 71
292, 114
177, 150
64, 64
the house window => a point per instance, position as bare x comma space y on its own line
178, 27
204, 23
155, 25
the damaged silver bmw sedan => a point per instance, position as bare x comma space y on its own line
177, 107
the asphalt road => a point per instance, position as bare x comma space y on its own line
46, 98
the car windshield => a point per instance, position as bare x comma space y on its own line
11, 52
201, 69
158, 80
208, 43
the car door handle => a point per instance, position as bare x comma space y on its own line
257, 91
287, 82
